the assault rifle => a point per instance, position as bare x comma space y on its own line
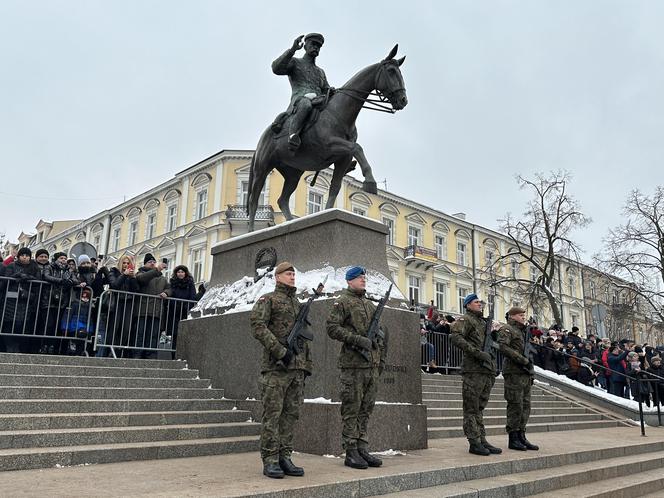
490, 345
528, 351
374, 331
300, 331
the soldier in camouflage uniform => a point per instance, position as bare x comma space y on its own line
479, 374
518, 371
348, 323
282, 374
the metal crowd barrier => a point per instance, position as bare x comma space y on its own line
36, 315
138, 324
444, 354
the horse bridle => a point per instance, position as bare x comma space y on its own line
382, 103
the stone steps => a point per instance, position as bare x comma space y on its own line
24, 380
488, 412
497, 402
35, 458
80, 436
623, 470
24, 422
499, 430
41, 392
541, 396
59, 410
502, 419
111, 405
650, 482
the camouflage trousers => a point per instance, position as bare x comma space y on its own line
358, 396
517, 395
282, 395
476, 391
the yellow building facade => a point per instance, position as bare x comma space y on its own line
433, 256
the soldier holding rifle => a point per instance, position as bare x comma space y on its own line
353, 322
472, 334
519, 372
283, 372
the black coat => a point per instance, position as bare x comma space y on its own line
61, 281
20, 296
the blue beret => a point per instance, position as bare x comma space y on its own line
354, 272
469, 299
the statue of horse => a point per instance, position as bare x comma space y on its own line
330, 139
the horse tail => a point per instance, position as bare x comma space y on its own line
251, 181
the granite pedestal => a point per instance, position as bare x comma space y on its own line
222, 348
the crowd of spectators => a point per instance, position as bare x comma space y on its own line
52, 304
612, 366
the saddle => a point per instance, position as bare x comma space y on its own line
280, 122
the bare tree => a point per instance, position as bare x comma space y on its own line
542, 235
633, 256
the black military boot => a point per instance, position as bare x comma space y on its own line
515, 442
526, 443
492, 449
273, 470
354, 460
371, 460
289, 468
476, 448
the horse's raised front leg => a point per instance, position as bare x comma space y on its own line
341, 167
339, 146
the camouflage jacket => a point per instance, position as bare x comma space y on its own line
351, 315
511, 338
272, 319
468, 335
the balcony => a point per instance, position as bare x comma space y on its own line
237, 218
420, 256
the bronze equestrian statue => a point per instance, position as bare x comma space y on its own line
318, 129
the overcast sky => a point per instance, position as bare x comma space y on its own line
102, 100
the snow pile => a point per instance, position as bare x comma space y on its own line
243, 293
388, 453
321, 401
391, 403
330, 456
595, 391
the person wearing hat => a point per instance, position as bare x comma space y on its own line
42, 259
282, 374
308, 82
519, 372
348, 323
20, 293
148, 310
478, 371
56, 297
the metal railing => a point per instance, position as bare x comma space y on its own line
239, 212
142, 324
35, 314
440, 350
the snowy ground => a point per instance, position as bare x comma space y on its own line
243, 293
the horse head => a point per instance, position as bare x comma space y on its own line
389, 80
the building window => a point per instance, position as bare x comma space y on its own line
489, 256
534, 273
616, 297
151, 226
572, 286
201, 204
133, 232
96, 240
441, 296
592, 289
440, 244
463, 292
461, 253
315, 202
116, 239
197, 264
244, 194
414, 289
389, 223
514, 269
413, 236
172, 217
360, 211
575, 320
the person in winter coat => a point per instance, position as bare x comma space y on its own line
548, 355
656, 369
148, 310
616, 360
562, 363
181, 287
636, 368
20, 291
119, 320
201, 292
